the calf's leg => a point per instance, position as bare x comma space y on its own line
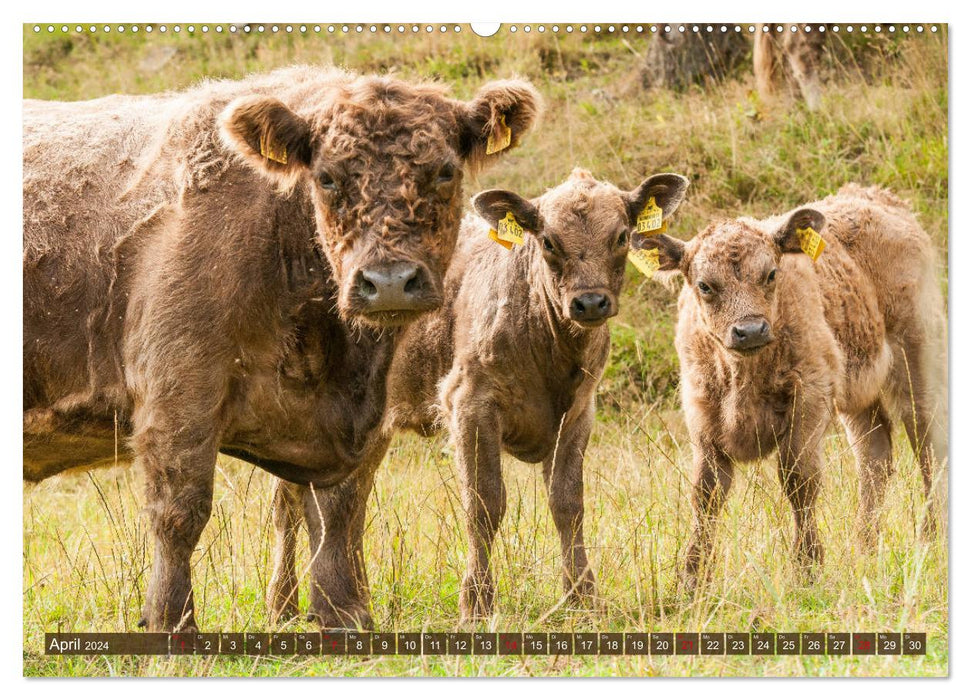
563, 474
920, 370
478, 449
711, 481
799, 474
869, 434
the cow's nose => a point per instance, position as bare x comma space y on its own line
750, 334
591, 306
400, 286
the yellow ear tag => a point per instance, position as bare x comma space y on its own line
647, 261
268, 151
651, 220
811, 242
509, 230
495, 236
500, 138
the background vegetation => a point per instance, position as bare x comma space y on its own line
883, 120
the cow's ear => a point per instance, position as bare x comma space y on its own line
269, 136
787, 236
494, 205
496, 119
670, 251
667, 189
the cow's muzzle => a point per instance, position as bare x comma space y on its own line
394, 287
749, 334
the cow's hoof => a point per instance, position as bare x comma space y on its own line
348, 619
476, 601
932, 526
866, 535
584, 591
284, 614
686, 591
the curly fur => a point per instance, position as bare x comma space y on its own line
186, 294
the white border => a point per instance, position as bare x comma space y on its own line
179, 11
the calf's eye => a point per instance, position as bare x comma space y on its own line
771, 278
548, 245
622, 239
705, 289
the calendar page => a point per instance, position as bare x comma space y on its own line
565, 349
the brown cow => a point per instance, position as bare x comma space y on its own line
788, 53
510, 363
222, 270
771, 342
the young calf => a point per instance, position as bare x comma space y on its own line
770, 341
511, 363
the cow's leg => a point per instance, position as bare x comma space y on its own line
869, 434
179, 469
339, 594
476, 434
764, 62
711, 481
799, 473
282, 595
802, 50
563, 474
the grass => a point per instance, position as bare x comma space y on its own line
883, 120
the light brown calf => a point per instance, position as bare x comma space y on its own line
511, 363
771, 342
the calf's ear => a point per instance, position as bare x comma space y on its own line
496, 119
271, 138
787, 237
670, 251
667, 189
493, 205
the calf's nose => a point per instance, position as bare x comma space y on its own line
400, 286
591, 306
750, 334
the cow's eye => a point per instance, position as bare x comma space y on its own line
771, 278
622, 239
548, 245
705, 289
327, 182
446, 174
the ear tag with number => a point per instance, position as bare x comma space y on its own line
811, 242
509, 230
651, 219
500, 138
646, 261
268, 151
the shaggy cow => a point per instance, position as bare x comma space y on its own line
790, 55
510, 363
223, 269
770, 342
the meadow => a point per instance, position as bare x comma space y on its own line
883, 120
